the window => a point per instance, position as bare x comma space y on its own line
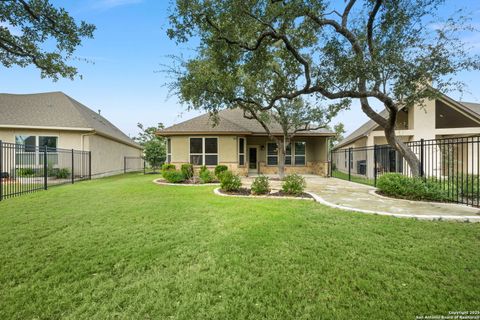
241, 151
272, 154
288, 155
29, 143
300, 147
50, 143
169, 150
204, 151
25, 154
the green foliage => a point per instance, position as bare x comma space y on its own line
62, 173
202, 169
260, 185
206, 176
187, 170
294, 184
25, 172
339, 130
25, 28
168, 167
173, 176
219, 170
154, 151
229, 181
400, 186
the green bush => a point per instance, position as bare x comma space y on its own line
187, 170
202, 169
219, 170
230, 181
25, 172
260, 185
294, 184
62, 173
206, 176
168, 167
400, 186
468, 185
173, 176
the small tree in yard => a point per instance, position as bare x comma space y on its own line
154, 147
368, 50
25, 26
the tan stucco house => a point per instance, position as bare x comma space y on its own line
439, 118
243, 146
56, 120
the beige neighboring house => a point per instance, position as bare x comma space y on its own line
243, 146
56, 120
437, 119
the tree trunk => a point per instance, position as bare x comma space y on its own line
404, 151
281, 158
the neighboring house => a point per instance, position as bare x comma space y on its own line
436, 119
243, 145
56, 120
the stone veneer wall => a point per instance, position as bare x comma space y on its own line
241, 170
313, 167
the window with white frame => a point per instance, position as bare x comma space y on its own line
28, 153
272, 154
300, 152
204, 151
169, 150
241, 151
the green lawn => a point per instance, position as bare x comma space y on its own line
125, 248
353, 178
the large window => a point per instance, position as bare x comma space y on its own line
29, 154
28, 143
169, 150
300, 148
49, 142
241, 151
297, 156
204, 151
272, 154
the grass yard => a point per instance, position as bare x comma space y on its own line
125, 248
354, 178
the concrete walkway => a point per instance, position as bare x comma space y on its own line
361, 198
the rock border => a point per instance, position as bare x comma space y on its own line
219, 193
161, 183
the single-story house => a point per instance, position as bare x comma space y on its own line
243, 145
441, 118
55, 120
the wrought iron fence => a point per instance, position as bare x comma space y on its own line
25, 168
453, 163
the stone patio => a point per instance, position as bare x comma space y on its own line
362, 198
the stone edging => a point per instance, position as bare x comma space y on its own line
398, 215
219, 193
157, 181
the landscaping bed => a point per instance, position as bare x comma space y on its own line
280, 194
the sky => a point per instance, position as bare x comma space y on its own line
123, 77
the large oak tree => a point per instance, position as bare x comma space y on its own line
367, 50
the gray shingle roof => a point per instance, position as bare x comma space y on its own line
230, 120
56, 110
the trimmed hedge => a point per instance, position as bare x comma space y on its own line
168, 166
219, 170
260, 185
173, 176
294, 184
400, 186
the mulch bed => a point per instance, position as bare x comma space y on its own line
247, 192
188, 182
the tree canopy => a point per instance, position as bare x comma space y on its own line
387, 51
27, 26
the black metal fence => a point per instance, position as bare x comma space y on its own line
453, 163
25, 168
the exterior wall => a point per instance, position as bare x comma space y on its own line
316, 154
66, 139
108, 155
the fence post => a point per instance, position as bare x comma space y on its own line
144, 172
45, 169
422, 156
1, 170
89, 165
350, 164
73, 167
124, 165
375, 165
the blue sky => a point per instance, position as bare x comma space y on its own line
130, 45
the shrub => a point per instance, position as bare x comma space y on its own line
230, 181
168, 167
294, 184
206, 176
187, 170
202, 169
173, 176
260, 185
219, 170
400, 186
25, 172
62, 173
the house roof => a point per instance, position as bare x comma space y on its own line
55, 110
230, 121
471, 108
